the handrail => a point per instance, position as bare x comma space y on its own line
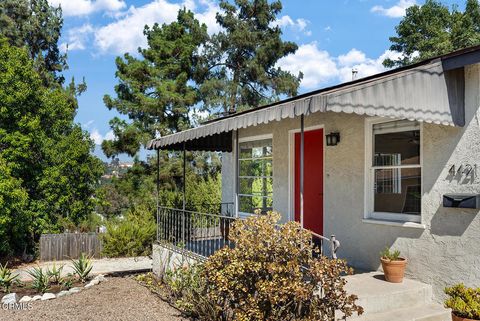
194, 212
179, 224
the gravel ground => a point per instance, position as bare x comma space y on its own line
115, 299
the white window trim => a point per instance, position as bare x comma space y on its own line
237, 172
369, 214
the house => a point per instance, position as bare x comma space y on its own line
388, 160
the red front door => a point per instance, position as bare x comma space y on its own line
313, 180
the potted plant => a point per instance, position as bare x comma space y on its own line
393, 265
464, 302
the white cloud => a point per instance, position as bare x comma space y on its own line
320, 68
352, 57
86, 7
96, 137
88, 124
125, 34
396, 11
110, 135
317, 65
365, 67
99, 138
77, 38
299, 24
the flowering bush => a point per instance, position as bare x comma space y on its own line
275, 273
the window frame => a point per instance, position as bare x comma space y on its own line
369, 193
238, 177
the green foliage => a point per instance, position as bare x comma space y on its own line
7, 278
391, 255
187, 289
239, 64
13, 216
264, 277
183, 69
432, 29
47, 153
464, 302
40, 279
35, 25
67, 281
155, 91
132, 235
82, 267
55, 273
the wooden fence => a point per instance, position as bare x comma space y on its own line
69, 246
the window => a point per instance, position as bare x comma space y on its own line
255, 176
395, 175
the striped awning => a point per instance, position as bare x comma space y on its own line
425, 93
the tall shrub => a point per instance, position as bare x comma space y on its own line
131, 235
275, 273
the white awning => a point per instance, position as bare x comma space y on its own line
424, 93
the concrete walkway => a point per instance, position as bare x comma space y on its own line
100, 266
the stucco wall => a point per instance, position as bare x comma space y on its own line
447, 249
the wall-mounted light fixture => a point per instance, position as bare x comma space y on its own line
333, 139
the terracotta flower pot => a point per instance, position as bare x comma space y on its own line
394, 270
457, 318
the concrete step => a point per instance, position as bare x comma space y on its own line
376, 295
427, 312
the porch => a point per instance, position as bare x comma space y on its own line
199, 235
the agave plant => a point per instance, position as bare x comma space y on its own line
40, 279
82, 267
55, 273
7, 278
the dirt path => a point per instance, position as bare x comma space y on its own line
115, 299
100, 266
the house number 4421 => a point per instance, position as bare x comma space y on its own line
463, 169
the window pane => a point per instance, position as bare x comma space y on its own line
256, 186
399, 148
256, 149
249, 204
257, 167
398, 190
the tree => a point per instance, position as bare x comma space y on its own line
432, 29
35, 25
239, 63
13, 217
43, 148
155, 91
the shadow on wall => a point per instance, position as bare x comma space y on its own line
451, 222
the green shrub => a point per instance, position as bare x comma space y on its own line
67, 281
387, 254
82, 267
187, 289
264, 276
131, 236
55, 273
7, 278
464, 302
40, 280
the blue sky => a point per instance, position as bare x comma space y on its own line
334, 36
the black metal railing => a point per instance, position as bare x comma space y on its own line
202, 234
